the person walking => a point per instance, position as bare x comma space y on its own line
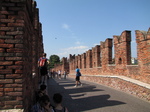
59, 74
65, 74
42, 64
78, 74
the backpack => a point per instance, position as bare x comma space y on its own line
42, 62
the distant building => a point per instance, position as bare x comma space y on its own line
134, 60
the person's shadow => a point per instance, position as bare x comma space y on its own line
89, 103
77, 100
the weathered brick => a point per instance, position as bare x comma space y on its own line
19, 37
15, 8
13, 58
6, 45
18, 45
2, 50
15, 67
18, 62
14, 50
19, 107
1, 67
5, 71
2, 33
6, 37
1, 94
6, 81
7, 29
1, 89
14, 93
13, 85
7, 20
18, 80
1, 85
8, 89
2, 58
7, 54
18, 71
14, 33
16, 24
19, 98
6, 62
3, 16
15, 16
23, 1
3, 25
7, 12
19, 54
1, 41
15, 41
20, 21
8, 4
13, 75
18, 89
13, 102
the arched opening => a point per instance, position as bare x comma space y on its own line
120, 61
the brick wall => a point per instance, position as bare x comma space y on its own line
122, 57
63, 67
20, 46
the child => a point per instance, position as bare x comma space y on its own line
57, 98
41, 92
43, 105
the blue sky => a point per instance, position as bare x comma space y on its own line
75, 26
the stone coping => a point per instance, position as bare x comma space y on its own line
12, 110
123, 78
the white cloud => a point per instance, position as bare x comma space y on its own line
76, 48
73, 50
77, 42
66, 26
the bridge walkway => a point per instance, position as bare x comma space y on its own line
93, 97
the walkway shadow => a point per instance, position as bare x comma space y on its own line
94, 102
76, 99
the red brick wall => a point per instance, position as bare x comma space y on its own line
20, 36
63, 67
122, 57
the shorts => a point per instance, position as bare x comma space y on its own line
43, 71
77, 78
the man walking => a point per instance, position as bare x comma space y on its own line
42, 64
78, 74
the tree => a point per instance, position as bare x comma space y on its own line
54, 59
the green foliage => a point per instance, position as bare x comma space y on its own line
53, 59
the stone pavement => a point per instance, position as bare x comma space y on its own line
92, 97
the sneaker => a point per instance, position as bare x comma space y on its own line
75, 86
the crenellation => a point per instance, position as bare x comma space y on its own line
83, 60
119, 65
143, 52
21, 44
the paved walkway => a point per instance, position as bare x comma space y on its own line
92, 97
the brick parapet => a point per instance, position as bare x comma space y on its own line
122, 65
89, 58
143, 51
119, 84
96, 56
17, 55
